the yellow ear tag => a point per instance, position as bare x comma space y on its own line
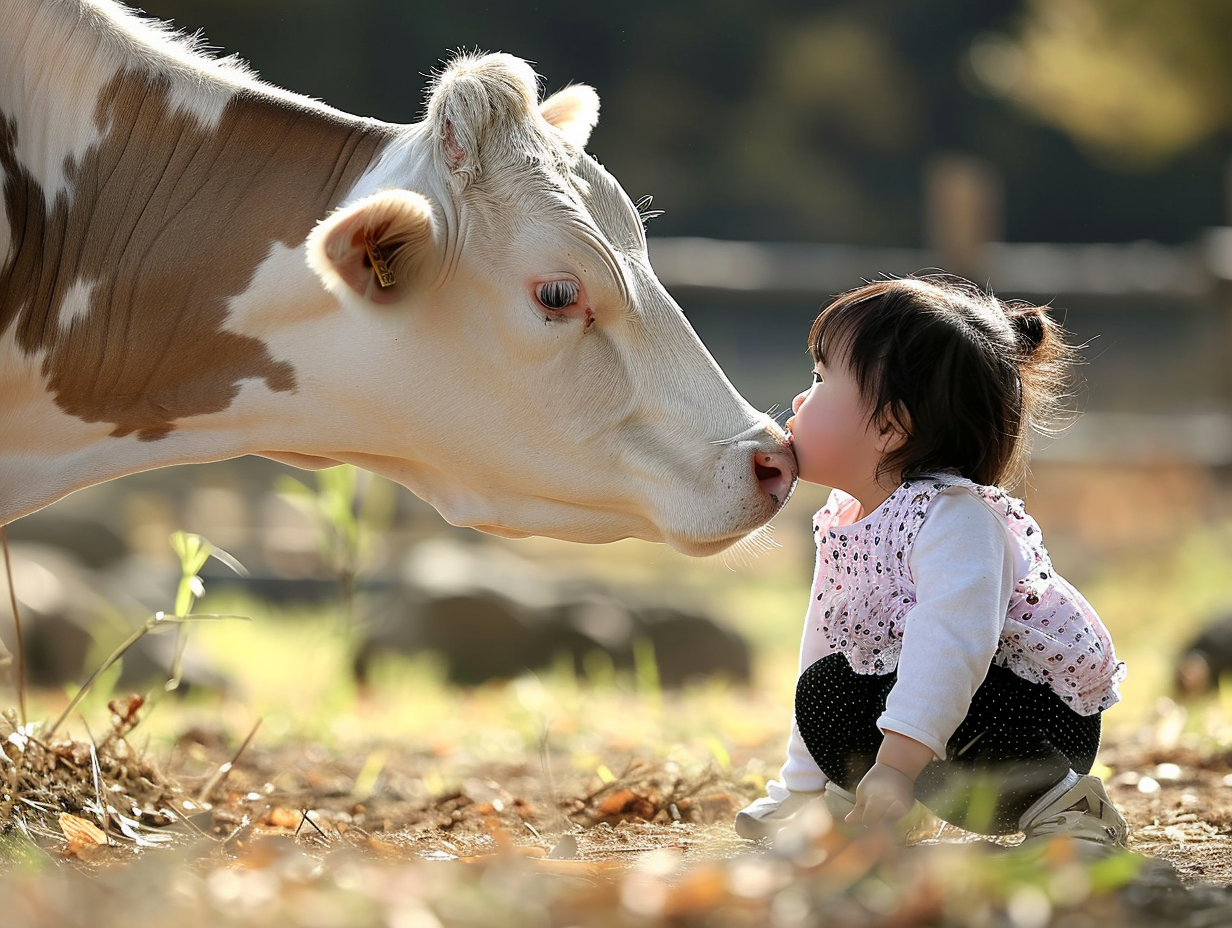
384, 276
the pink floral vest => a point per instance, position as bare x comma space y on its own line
865, 594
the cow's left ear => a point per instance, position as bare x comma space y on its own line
574, 111
380, 247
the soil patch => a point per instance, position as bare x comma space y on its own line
293, 812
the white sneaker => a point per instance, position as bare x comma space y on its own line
1077, 807
772, 812
838, 800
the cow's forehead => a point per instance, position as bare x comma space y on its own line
610, 208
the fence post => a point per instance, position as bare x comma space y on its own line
1217, 256
963, 208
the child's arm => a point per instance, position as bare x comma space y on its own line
964, 569
963, 566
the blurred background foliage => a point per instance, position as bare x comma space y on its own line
801, 120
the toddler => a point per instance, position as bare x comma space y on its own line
943, 659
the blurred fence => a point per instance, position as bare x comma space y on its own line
1156, 322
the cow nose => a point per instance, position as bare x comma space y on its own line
776, 473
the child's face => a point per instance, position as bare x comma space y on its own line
835, 443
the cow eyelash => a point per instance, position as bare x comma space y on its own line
557, 294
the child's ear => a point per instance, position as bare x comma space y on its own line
894, 428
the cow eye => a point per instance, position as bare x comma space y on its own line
557, 294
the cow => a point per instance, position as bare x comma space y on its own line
196, 265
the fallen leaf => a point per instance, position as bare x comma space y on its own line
83, 837
282, 817
617, 802
625, 804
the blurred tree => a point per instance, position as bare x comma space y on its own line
1134, 81
813, 120
829, 82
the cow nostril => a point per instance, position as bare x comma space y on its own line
766, 472
775, 479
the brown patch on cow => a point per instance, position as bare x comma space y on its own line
166, 222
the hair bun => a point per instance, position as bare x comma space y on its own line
1030, 326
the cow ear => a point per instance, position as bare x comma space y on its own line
574, 111
481, 102
380, 247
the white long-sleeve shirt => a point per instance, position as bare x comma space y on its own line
964, 571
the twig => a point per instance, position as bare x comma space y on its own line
545, 763
104, 814
305, 818
21, 648
225, 769
186, 818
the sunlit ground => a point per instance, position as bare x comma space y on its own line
291, 672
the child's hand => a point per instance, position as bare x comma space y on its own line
884, 795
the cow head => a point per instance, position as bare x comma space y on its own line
551, 385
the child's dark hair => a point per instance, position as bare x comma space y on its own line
966, 375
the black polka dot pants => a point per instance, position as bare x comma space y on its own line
1018, 740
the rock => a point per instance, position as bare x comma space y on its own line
491, 615
479, 635
690, 646
69, 627
584, 623
90, 541
58, 610
1206, 658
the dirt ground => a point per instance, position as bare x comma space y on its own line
1178, 801
1179, 807
1178, 804
223, 804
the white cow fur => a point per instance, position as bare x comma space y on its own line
603, 421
